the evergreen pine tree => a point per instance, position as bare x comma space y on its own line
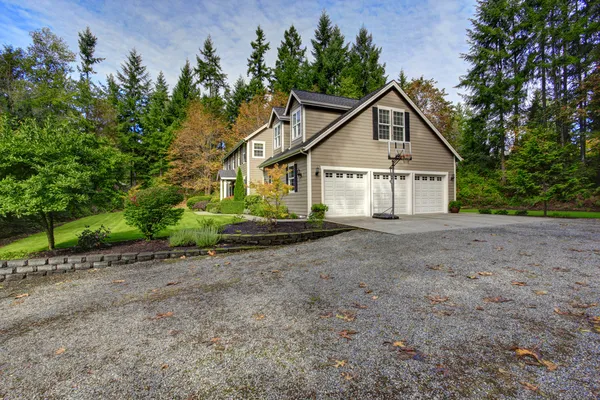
87, 49
364, 67
330, 53
320, 44
258, 71
235, 97
210, 74
291, 66
135, 87
156, 122
239, 189
183, 93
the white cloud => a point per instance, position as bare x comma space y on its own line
424, 38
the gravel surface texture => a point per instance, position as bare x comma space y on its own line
271, 324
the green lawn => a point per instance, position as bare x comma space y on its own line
555, 214
65, 235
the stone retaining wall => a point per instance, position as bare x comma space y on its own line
14, 270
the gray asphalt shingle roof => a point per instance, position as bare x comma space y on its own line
226, 173
305, 96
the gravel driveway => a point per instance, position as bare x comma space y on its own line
359, 315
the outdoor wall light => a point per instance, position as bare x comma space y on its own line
452, 177
317, 170
299, 173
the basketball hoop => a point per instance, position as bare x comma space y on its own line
405, 157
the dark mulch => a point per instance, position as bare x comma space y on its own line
132, 246
251, 227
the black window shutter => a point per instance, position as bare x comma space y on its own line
375, 124
406, 127
295, 177
287, 171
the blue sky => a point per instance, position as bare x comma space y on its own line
421, 37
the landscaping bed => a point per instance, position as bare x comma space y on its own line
253, 227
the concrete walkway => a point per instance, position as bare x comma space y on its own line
434, 222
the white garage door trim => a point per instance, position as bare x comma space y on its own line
364, 180
443, 207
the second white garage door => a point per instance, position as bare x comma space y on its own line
429, 194
382, 193
345, 193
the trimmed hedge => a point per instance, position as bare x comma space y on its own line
213, 207
229, 206
196, 199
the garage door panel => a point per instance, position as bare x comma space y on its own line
429, 194
345, 193
382, 193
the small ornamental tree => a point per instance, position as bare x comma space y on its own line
239, 190
273, 191
151, 210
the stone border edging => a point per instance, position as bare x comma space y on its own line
15, 270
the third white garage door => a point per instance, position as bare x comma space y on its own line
345, 193
429, 194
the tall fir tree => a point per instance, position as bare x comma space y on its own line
330, 53
364, 68
134, 82
239, 94
157, 133
87, 50
208, 69
184, 92
259, 73
291, 68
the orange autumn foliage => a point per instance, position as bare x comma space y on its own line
254, 114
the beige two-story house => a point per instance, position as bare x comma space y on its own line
338, 152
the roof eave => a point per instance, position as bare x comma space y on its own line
275, 160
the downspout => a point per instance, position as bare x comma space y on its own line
308, 180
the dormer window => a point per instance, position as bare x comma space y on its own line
296, 124
277, 135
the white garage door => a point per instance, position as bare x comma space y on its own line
345, 193
382, 193
429, 194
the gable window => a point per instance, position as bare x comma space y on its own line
277, 134
391, 124
296, 124
258, 149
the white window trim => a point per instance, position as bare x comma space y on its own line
298, 123
391, 125
254, 142
280, 126
290, 167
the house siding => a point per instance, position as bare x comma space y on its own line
297, 202
286, 131
353, 146
317, 118
256, 174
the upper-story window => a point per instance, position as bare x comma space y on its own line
277, 135
258, 149
296, 124
391, 124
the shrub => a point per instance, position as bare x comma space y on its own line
191, 202
213, 208
485, 211
89, 239
151, 210
293, 216
501, 212
232, 206
239, 189
477, 189
455, 204
200, 206
521, 212
273, 190
252, 200
317, 214
201, 237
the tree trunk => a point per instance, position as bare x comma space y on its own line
545, 208
47, 221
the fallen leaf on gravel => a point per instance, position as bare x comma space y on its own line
325, 276
375, 297
570, 313
119, 281
326, 315
398, 343
182, 257
174, 332
259, 317
212, 253
359, 306
581, 283
347, 316
368, 291
215, 340
529, 386
163, 315
559, 269
577, 250
479, 308
347, 376
540, 292
472, 277
499, 248
362, 285
164, 366
532, 354
173, 283
485, 273
498, 299
437, 299
340, 363
275, 271
436, 267
583, 305
60, 351
20, 296
517, 283
346, 334
503, 371
478, 240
